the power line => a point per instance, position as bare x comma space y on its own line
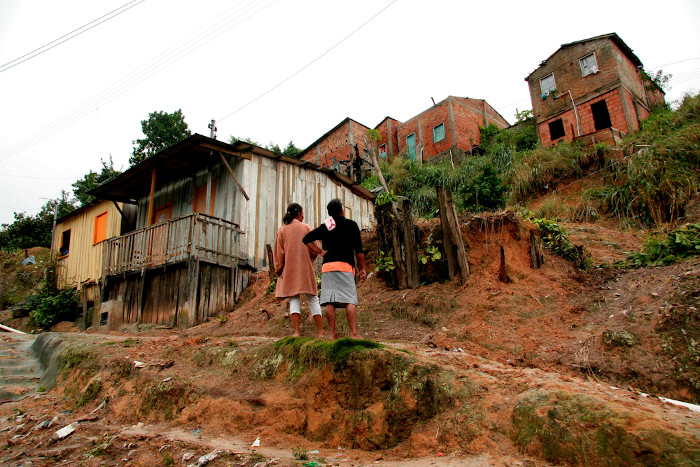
66, 37
37, 178
673, 63
184, 47
307, 65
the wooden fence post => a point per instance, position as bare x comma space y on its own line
536, 249
397, 237
270, 262
452, 234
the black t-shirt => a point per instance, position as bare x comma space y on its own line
341, 244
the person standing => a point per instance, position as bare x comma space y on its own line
295, 270
341, 242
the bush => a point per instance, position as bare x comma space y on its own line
52, 307
678, 244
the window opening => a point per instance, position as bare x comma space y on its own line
65, 243
556, 129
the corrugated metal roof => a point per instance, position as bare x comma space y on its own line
185, 158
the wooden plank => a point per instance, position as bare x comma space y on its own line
233, 175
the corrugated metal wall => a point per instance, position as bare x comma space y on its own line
271, 186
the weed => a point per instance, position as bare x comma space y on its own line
222, 319
385, 262
168, 459
90, 393
300, 454
678, 244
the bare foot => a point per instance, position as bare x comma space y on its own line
320, 336
296, 334
355, 336
333, 337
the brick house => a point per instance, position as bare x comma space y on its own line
448, 127
591, 89
337, 147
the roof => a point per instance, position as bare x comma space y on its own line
183, 159
79, 210
344, 121
611, 36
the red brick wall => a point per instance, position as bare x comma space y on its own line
617, 117
338, 144
388, 129
468, 118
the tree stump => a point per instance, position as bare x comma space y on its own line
452, 235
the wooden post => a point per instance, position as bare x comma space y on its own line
503, 269
408, 242
270, 262
453, 236
149, 221
233, 175
536, 249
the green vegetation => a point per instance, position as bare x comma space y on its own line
385, 262
678, 244
91, 392
661, 168
315, 352
92, 180
475, 184
161, 130
51, 304
556, 238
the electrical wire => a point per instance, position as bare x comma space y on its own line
307, 65
184, 47
66, 37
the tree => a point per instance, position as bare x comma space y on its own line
291, 150
30, 231
161, 130
93, 179
658, 79
234, 140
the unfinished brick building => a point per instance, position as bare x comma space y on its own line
591, 89
449, 128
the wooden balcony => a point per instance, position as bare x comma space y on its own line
194, 236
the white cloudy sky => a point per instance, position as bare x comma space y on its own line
83, 100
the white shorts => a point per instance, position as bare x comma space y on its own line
312, 300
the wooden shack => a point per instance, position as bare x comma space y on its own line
205, 211
77, 245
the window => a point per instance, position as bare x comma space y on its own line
411, 146
556, 129
547, 85
589, 65
65, 244
439, 133
382, 151
601, 116
100, 228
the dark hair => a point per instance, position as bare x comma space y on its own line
293, 211
335, 207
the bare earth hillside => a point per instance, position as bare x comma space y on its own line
558, 366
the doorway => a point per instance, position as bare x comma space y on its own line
601, 116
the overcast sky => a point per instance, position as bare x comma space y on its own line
314, 62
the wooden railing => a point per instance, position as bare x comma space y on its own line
195, 235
